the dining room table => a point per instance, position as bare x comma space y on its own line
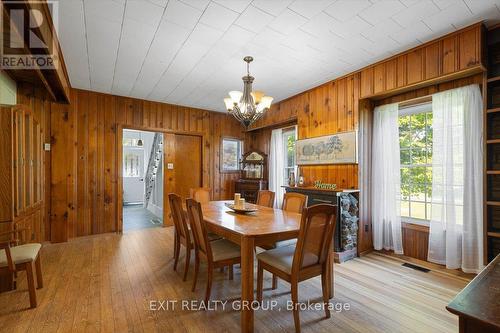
262, 226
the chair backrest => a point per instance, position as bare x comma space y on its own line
178, 216
315, 236
200, 194
294, 202
265, 198
198, 227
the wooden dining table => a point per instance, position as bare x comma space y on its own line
264, 226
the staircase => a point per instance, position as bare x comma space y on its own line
153, 165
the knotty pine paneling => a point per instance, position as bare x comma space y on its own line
85, 186
81, 175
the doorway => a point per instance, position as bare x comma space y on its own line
142, 170
180, 168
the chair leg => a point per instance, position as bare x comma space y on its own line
31, 284
260, 281
39, 278
210, 273
175, 242
186, 265
231, 272
177, 249
326, 292
196, 269
275, 282
295, 301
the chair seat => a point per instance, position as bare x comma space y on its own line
286, 242
282, 258
21, 254
223, 249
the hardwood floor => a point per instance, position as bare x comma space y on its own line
106, 282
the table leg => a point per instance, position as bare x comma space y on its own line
247, 248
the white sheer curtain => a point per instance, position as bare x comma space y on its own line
456, 226
386, 183
276, 166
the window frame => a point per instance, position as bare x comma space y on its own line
285, 131
238, 158
422, 108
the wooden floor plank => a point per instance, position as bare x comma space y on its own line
105, 283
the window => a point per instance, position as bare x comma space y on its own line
289, 137
415, 141
231, 154
133, 158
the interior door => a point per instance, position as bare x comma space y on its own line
183, 166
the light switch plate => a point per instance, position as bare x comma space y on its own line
170, 166
46, 146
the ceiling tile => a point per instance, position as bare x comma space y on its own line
308, 8
382, 30
198, 4
350, 27
478, 7
320, 25
416, 12
409, 35
274, 7
182, 14
236, 5
143, 12
443, 20
218, 17
343, 10
287, 22
381, 10
254, 19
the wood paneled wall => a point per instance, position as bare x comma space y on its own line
450, 61
84, 144
81, 169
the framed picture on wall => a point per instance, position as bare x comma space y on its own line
231, 151
338, 148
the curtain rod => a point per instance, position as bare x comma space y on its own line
415, 101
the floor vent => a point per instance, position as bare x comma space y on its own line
415, 267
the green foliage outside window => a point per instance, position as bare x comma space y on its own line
415, 139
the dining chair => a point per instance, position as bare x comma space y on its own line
200, 194
218, 253
265, 198
294, 202
305, 260
183, 235
15, 258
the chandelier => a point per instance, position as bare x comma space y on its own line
247, 106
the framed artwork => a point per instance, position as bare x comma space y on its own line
339, 148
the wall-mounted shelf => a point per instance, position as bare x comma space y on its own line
494, 110
494, 234
493, 203
493, 141
493, 172
494, 79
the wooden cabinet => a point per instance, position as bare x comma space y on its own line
248, 188
21, 172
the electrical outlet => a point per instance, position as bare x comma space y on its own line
46, 146
366, 227
170, 166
